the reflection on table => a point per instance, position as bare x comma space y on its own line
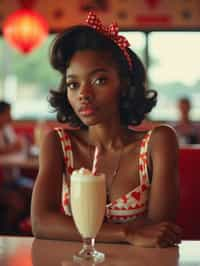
27, 251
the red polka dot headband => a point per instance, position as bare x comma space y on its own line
111, 32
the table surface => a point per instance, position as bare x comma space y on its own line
28, 251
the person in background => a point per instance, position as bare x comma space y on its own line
102, 90
13, 197
188, 131
9, 143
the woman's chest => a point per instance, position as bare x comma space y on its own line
120, 168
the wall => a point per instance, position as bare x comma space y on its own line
161, 14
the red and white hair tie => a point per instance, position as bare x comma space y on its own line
112, 32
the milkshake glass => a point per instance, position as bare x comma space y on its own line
88, 204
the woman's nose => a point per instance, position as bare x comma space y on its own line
85, 94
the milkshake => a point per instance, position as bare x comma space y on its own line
88, 201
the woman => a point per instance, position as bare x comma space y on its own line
102, 92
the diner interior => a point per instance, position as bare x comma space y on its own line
166, 36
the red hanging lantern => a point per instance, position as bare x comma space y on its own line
25, 29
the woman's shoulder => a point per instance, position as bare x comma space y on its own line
164, 131
54, 138
65, 130
161, 133
164, 135
67, 133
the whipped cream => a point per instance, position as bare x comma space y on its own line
84, 174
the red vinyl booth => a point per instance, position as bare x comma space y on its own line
189, 212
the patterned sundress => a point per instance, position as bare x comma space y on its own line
129, 205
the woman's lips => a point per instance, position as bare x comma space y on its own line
87, 111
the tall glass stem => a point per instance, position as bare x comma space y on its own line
88, 244
88, 252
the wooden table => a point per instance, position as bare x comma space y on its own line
27, 251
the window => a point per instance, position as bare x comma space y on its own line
25, 81
137, 42
174, 71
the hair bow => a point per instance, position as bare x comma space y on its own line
112, 32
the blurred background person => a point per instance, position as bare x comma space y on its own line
9, 142
14, 196
187, 130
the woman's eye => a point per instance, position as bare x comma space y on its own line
100, 81
72, 85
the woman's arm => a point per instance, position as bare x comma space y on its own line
46, 217
164, 196
159, 228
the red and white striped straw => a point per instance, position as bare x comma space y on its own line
95, 160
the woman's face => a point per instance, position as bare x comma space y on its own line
93, 87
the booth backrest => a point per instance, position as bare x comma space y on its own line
189, 212
27, 128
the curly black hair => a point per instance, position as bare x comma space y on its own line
135, 101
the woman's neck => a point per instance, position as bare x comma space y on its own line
110, 136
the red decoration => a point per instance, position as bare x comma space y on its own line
25, 30
112, 32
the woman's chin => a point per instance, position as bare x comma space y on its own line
90, 121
